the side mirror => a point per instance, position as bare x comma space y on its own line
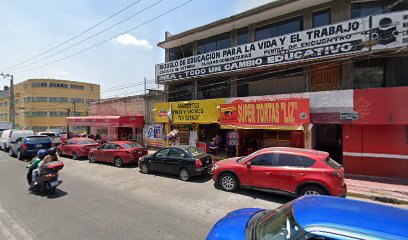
248, 164
159, 155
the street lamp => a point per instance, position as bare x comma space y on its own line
12, 118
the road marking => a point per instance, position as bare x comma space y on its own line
15, 231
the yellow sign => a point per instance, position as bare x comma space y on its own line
195, 111
160, 112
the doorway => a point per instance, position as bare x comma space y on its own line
328, 138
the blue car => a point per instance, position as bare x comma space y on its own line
27, 147
315, 217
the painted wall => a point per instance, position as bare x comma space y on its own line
376, 150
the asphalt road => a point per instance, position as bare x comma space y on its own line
99, 201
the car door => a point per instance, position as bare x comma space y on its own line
176, 159
99, 153
69, 147
110, 152
14, 146
291, 170
157, 162
260, 171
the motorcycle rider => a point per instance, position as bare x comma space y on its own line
53, 153
34, 164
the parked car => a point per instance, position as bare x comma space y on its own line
119, 153
292, 171
27, 147
184, 161
315, 217
63, 136
11, 135
56, 140
76, 147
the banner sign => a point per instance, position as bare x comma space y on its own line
373, 33
280, 112
195, 111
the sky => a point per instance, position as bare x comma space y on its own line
29, 28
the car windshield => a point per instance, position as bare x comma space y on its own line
194, 151
48, 134
37, 139
277, 224
84, 142
130, 145
243, 159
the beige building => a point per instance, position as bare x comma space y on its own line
42, 104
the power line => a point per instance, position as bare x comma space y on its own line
92, 36
76, 36
100, 43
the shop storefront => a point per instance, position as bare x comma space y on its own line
111, 128
261, 124
193, 123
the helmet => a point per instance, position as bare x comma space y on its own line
52, 151
42, 153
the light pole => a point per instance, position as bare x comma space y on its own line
12, 117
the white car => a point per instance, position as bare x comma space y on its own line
54, 138
11, 135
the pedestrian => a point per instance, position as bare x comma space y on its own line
213, 147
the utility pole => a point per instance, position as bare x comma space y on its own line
75, 99
12, 117
69, 110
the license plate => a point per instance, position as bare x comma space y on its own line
38, 145
54, 184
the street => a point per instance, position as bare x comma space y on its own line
99, 201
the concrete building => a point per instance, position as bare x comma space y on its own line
42, 104
340, 64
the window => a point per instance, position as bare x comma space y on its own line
39, 99
38, 84
181, 52
364, 9
214, 43
58, 99
163, 153
218, 88
39, 114
90, 141
105, 146
77, 100
263, 160
287, 160
59, 85
307, 162
71, 142
27, 99
58, 114
27, 114
178, 153
369, 73
242, 36
322, 18
181, 92
279, 28
131, 145
114, 146
79, 87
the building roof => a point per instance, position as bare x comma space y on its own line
340, 215
55, 80
273, 9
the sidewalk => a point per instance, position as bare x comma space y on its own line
379, 189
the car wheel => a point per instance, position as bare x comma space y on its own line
312, 190
19, 155
228, 182
144, 168
6, 149
74, 156
11, 154
184, 175
92, 158
118, 162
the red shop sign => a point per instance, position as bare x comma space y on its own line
280, 112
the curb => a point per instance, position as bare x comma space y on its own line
378, 198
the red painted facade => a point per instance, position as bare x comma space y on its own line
377, 143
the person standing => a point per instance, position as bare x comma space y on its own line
213, 147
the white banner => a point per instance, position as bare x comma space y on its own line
379, 32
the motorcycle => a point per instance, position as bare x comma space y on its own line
47, 179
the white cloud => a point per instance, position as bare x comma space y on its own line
128, 39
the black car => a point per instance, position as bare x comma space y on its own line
185, 161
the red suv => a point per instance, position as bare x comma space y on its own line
291, 171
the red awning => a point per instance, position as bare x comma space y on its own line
107, 121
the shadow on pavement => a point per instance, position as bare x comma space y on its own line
195, 179
130, 165
256, 194
58, 193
